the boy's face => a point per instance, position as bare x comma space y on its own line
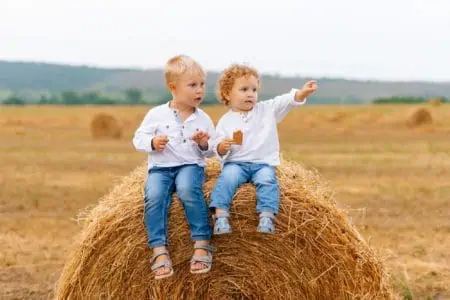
189, 89
244, 94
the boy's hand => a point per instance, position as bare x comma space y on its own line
308, 88
225, 146
159, 142
201, 138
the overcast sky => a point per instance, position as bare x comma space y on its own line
371, 39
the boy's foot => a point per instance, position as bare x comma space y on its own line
221, 225
201, 261
162, 265
266, 223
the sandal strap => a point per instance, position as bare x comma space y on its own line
164, 264
208, 247
202, 259
159, 253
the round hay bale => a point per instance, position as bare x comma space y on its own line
419, 116
315, 254
435, 101
105, 126
337, 117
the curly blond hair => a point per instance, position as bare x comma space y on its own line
228, 78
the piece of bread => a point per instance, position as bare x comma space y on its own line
238, 137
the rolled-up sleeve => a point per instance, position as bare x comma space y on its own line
211, 142
220, 136
144, 135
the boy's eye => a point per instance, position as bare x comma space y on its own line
192, 85
254, 89
202, 84
244, 89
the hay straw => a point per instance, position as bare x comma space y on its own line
316, 253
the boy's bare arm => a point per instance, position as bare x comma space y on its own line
308, 88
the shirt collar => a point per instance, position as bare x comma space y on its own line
174, 112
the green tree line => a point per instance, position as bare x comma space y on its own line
132, 96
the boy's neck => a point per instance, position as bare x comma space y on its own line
182, 108
233, 109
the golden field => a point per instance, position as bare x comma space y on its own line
393, 179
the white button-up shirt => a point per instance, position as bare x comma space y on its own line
259, 126
180, 150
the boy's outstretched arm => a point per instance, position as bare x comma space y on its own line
308, 88
282, 104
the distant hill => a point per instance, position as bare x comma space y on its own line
36, 78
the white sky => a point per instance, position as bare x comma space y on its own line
366, 39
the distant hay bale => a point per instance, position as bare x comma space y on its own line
419, 116
105, 126
435, 101
337, 117
315, 254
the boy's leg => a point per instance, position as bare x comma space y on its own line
264, 178
189, 186
231, 177
157, 197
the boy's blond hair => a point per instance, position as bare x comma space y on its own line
179, 65
229, 77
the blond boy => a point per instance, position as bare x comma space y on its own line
176, 135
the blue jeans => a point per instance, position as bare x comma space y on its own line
187, 181
236, 173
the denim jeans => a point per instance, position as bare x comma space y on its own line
187, 181
236, 173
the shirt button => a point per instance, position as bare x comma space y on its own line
184, 141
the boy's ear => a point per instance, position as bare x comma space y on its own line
171, 86
226, 96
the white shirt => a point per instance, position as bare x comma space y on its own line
259, 126
180, 150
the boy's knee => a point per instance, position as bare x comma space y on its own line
151, 195
266, 176
231, 173
187, 192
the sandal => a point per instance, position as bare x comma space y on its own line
221, 225
167, 263
266, 223
205, 260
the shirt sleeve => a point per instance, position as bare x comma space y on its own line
144, 135
221, 134
282, 104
